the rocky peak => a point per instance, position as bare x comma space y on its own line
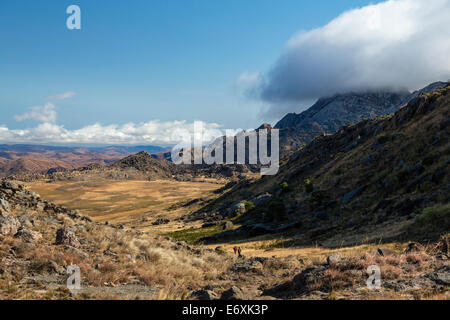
265, 126
341, 109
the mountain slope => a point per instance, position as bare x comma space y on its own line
328, 114
36, 159
144, 162
381, 178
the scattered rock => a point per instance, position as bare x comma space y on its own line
234, 293
239, 208
26, 221
28, 235
334, 259
414, 247
262, 199
204, 295
9, 225
385, 252
4, 204
67, 237
227, 225
109, 252
247, 266
52, 266
441, 276
160, 221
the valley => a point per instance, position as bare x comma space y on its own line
374, 193
133, 203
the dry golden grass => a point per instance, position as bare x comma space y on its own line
125, 201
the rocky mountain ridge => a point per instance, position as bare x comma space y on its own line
383, 178
328, 114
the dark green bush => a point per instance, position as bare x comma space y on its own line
308, 186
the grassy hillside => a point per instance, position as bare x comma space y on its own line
380, 179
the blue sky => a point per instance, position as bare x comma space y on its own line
137, 61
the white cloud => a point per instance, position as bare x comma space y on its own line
151, 132
395, 44
46, 113
62, 96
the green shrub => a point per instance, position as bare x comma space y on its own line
436, 214
308, 185
284, 186
249, 206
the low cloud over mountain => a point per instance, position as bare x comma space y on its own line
395, 44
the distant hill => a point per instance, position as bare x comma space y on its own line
36, 159
145, 163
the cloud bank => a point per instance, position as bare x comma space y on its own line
395, 44
151, 132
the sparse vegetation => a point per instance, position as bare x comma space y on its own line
308, 186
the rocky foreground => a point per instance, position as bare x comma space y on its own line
40, 240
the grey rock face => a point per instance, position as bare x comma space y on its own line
327, 115
9, 225
4, 204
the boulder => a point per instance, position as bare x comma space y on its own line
334, 259
204, 295
385, 252
234, 293
308, 277
262, 199
414, 247
227, 225
11, 185
247, 266
28, 235
4, 204
67, 237
220, 250
9, 225
240, 207
26, 221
